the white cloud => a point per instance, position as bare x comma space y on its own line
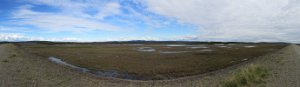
85, 15
235, 20
21, 37
83, 8
218, 20
58, 22
74, 16
10, 37
63, 39
108, 10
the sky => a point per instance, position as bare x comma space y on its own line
161, 20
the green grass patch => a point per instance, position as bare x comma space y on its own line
251, 75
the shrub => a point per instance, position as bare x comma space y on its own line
253, 74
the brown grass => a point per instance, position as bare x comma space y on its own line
151, 65
247, 77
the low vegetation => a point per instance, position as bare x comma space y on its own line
5, 61
247, 77
153, 65
13, 55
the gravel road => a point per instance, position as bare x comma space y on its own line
285, 68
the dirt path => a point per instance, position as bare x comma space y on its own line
20, 69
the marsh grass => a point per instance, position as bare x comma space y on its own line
251, 75
150, 65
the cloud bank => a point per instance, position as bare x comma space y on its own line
71, 16
235, 20
21, 37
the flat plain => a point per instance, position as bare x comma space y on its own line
153, 61
21, 68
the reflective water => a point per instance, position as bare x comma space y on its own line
100, 73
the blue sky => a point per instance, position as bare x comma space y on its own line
86, 20
111, 20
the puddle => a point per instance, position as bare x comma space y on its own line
59, 61
223, 46
249, 46
245, 59
100, 73
198, 47
146, 49
170, 52
135, 44
177, 45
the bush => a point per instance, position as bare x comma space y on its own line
253, 74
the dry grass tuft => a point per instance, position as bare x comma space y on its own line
251, 75
5, 61
13, 55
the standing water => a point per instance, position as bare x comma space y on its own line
100, 73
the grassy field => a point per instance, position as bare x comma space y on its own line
153, 61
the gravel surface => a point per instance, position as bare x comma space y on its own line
285, 68
20, 69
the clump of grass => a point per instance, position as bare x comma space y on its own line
18, 70
5, 61
251, 75
13, 55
